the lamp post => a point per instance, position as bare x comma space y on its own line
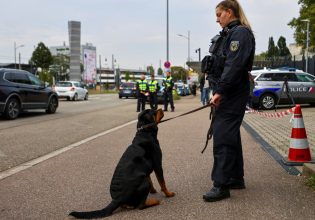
198, 51
15, 48
307, 41
188, 38
167, 33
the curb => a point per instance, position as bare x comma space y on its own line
308, 169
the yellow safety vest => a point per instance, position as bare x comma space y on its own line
168, 81
153, 86
142, 85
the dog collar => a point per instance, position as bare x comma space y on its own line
146, 126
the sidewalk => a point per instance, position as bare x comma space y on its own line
79, 179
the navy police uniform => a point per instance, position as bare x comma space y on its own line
168, 84
142, 89
232, 55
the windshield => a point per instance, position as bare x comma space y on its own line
63, 84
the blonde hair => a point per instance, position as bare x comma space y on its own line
237, 11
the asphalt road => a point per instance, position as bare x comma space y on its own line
79, 179
36, 133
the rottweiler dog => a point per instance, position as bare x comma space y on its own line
131, 182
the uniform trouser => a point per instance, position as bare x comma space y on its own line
168, 98
141, 102
153, 100
227, 148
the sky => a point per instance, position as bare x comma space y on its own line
134, 31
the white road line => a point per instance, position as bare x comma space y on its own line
31, 163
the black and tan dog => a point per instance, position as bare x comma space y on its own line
131, 182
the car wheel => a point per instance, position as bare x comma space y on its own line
68, 98
75, 97
86, 96
12, 109
52, 106
268, 101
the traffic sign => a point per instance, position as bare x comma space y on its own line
167, 64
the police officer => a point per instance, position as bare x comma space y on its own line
153, 88
168, 84
232, 55
142, 92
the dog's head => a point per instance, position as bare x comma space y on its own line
149, 118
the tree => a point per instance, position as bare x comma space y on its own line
272, 52
179, 73
284, 51
307, 11
41, 57
63, 64
160, 71
127, 76
150, 70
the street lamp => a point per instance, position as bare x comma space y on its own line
307, 41
188, 38
167, 33
15, 48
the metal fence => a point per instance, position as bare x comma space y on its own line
299, 64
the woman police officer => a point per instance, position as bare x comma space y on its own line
232, 55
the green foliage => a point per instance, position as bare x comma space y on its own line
160, 71
179, 73
311, 182
127, 76
61, 64
45, 76
150, 70
307, 11
41, 56
279, 52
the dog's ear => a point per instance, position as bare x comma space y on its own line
159, 114
146, 116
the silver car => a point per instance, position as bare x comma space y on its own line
269, 87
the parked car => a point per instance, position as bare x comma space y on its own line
269, 84
21, 90
127, 89
182, 89
71, 90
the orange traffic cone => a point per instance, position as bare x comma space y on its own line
299, 151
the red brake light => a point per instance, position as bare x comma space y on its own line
72, 89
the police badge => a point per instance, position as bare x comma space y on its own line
234, 46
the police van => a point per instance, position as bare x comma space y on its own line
269, 87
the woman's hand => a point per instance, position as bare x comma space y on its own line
216, 100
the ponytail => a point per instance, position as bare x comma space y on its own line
237, 10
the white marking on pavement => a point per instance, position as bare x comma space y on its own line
36, 161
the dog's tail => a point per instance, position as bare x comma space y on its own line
102, 213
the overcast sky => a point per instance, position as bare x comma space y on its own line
134, 30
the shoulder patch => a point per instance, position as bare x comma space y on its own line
234, 45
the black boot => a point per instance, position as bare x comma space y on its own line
236, 183
216, 194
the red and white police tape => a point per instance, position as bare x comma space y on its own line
275, 114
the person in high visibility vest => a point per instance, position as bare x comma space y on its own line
153, 88
168, 84
142, 92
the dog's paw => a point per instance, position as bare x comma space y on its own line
169, 194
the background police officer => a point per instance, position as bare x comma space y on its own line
142, 92
168, 84
232, 58
153, 88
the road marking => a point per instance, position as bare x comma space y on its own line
36, 161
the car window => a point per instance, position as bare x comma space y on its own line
35, 81
291, 77
22, 78
304, 78
9, 77
76, 84
64, 84
128, 85
265, 77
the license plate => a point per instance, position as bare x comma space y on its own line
127, 91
